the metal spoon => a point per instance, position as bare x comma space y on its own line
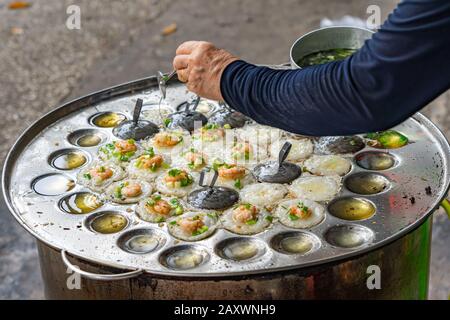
162, 81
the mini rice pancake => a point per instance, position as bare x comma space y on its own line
232, 176
148, 165
263, 194
300, 213
128, 191
316, 188
246, 218
245, 153
100, 175
176, 182
119, 151
209, 140
193, 226
168, 142
158, 208
190, 158
300, 150
206, 107
328, 165
259, 134
157, 115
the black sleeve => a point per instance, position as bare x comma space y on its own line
402, 68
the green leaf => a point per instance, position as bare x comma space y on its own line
87, 176
212, 215
174, 172
150, 152
293, 217
251, 222
238, 184
167, 121
269, 218
110, 146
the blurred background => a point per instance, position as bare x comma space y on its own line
44, 64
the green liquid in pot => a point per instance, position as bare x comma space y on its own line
324, 57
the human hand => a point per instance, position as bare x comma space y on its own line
200, 64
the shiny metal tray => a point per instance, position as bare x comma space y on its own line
419, 181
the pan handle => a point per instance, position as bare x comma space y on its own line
445, 204
97, 276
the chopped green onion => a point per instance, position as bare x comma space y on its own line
167, 121
200, 230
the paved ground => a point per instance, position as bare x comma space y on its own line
120, 41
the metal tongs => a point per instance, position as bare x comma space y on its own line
162, 81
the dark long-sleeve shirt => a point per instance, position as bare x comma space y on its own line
403, 67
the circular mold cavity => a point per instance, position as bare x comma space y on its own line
107, 119
141, 241
155, 112
52, 184
349, 236
374, 160
106, 222
80, 203
367, 183
352, 208
184, 257
240, 249
295, 242
86, 138
205, 107
68, 159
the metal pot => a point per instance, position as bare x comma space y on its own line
396, 239
327, 39
404, 266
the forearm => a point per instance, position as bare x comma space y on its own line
306, 102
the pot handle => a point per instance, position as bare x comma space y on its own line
97, 276
445, 204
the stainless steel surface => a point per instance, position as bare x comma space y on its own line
421, 165
327, 39
404, 266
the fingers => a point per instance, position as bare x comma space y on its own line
183, 75
180, 61
187, 47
